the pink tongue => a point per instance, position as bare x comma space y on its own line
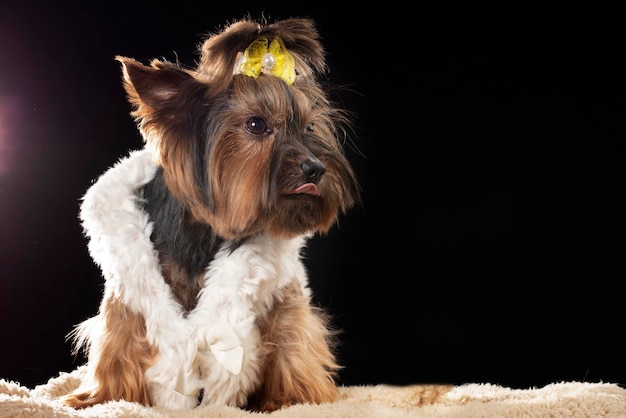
307, 188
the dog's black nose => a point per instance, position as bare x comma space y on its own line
313, 169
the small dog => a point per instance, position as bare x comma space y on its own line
199, 234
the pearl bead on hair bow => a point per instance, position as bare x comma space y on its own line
263, 56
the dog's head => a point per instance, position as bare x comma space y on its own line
248, 140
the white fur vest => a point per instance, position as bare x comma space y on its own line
214, 347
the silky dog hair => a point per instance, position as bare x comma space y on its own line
202, 230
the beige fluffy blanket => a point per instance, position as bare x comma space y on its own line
573, 399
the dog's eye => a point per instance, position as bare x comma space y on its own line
257, 126
309, 127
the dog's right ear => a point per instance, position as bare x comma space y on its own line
160, 95
152, 88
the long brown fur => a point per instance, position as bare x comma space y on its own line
299, 364
126, 354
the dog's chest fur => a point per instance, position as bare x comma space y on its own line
186, 247
239, 284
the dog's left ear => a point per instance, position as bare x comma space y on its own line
220, 52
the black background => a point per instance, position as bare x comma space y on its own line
490, 244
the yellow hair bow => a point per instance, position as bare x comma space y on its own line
263, 56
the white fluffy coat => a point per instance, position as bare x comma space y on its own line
239, 287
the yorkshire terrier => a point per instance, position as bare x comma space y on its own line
199, 234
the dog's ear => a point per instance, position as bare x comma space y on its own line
154, 87
302, 40
165, 100
219, 52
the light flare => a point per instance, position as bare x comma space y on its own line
9, 113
